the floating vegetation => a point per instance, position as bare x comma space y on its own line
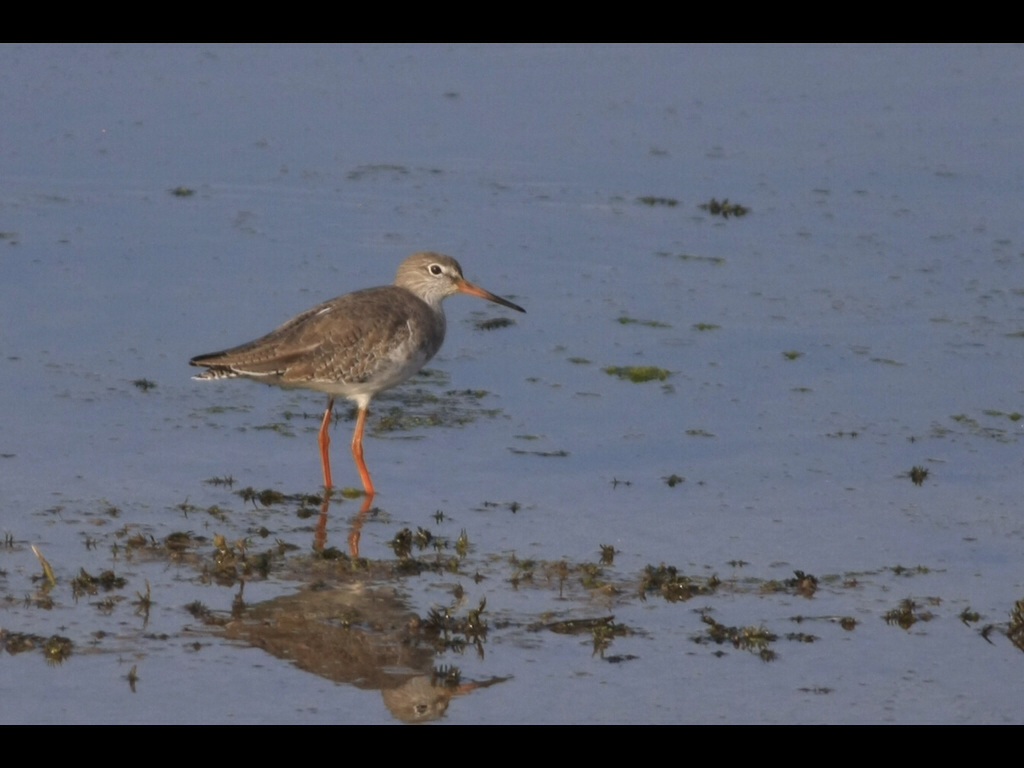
699, 433
57, 649
671, 202
132, 677
579, 361
974, 427
232, 562
625, 320
724, 208
144, 603
199, 610
1015, 630
638, 374
144, 384
602, 631
462, 544
755, 639
848, 623
674, 586
1014, 416
917, 475
901, 570
801, 637
51, 579
455, 633
87, 584
494, 324
717, 260
589, 576
559, 454
792, 355
513, 506
907, 614
673, 480
706, 327
403, 542
418, 408
572, 626
183, 192
281, 429
804, 585
377, 169
603, 634
968, 617
265, 498
607, 554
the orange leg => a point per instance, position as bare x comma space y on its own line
357, 452
325, 444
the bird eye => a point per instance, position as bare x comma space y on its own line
435, 269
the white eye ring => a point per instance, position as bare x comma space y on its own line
435, 269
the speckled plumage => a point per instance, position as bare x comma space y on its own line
355, 345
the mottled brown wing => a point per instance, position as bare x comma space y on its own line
342, 340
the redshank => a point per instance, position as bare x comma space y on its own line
356, 345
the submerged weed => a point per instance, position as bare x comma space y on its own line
638, 373
650, 200
724, 208
716, 260
624, 320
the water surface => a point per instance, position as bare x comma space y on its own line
865, 317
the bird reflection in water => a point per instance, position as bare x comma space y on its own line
355, 532
357, 634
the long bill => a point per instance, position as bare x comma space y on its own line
474, 290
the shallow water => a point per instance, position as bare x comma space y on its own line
865, 317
